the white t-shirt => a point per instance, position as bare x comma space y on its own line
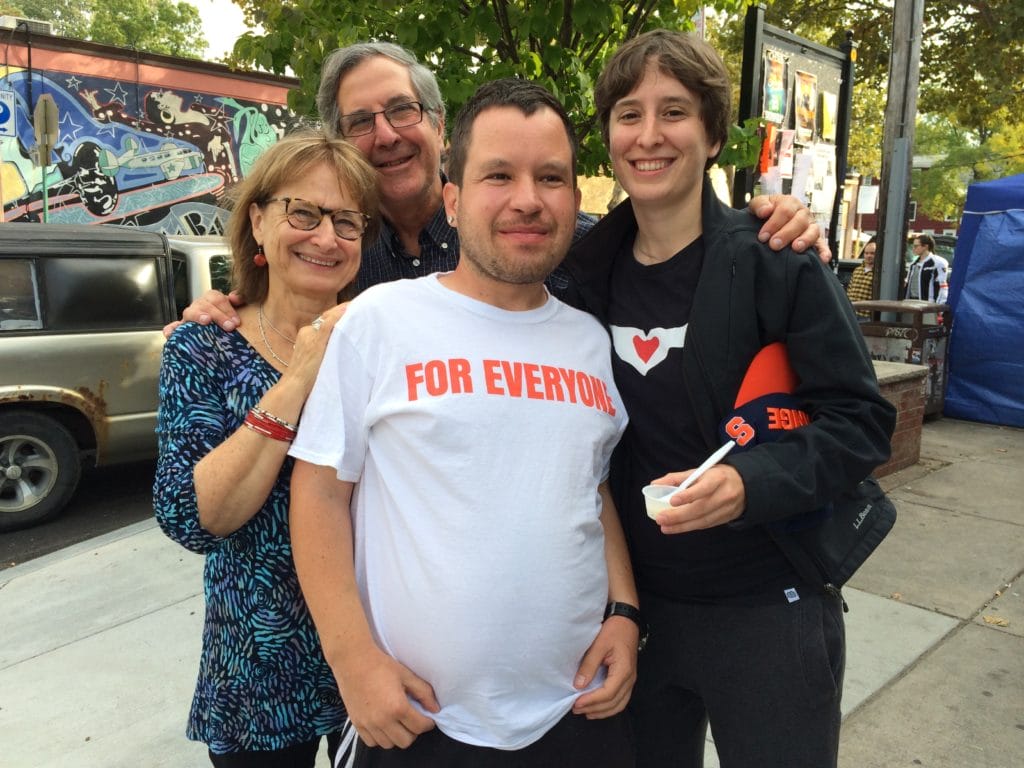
477, 438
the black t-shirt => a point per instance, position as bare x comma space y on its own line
648, 315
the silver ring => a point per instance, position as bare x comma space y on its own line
318, 323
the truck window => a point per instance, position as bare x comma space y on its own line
220, 273
19, 295
181, 293
93, 294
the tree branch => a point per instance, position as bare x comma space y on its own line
565, 30
506, 46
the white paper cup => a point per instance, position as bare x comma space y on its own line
656, 499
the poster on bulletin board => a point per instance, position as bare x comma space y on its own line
776, 91
829, 104
806, 106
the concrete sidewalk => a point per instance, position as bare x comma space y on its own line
101, 640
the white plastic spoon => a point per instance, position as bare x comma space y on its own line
709, 462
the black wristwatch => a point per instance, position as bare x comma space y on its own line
632, 613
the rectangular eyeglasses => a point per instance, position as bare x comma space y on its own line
398, 116
304, 215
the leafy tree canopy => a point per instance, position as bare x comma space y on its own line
972, 63
559, 43
154, 26
69, 17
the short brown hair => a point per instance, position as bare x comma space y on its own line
287, 160
684, 56
528, 97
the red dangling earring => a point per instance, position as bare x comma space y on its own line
259, 258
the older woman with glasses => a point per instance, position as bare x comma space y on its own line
229, 407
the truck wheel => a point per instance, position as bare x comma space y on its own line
39, 469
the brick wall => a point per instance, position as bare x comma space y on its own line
903, 385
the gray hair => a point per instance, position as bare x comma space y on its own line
342, 60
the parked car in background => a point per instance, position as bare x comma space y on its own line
844, 269
82, 310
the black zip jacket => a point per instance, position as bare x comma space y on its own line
747, 297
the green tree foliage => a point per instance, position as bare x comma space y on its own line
559, 43
940, 187
69, 17
972, 63
743, 145
958, 160
154, 26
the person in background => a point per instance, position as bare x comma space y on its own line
467, 572
861, 285
380, 98
927, 276
229, 405
691, 297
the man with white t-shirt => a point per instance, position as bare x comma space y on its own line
454, 538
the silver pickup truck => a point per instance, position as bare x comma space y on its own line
81, 315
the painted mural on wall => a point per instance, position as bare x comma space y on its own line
137, 155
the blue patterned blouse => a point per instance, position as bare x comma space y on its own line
263, 682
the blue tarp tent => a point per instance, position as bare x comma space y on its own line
986, 291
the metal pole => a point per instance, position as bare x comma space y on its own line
749, 106
895, 211
46, 204
897, 143
843, 115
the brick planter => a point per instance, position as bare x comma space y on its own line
903, 385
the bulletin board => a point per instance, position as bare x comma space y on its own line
802, 91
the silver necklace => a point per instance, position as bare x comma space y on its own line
275, 329
263, 335
646, 256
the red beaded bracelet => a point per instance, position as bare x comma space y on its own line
262, 422
268, 415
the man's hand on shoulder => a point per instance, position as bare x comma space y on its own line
212, 307
788, 222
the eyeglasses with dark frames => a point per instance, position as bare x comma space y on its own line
304, 215
398, 116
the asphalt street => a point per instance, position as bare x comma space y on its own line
107, 499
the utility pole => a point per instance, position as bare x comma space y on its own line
898, 145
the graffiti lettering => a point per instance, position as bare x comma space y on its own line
900, 333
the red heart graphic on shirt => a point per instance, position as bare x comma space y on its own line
645, 347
